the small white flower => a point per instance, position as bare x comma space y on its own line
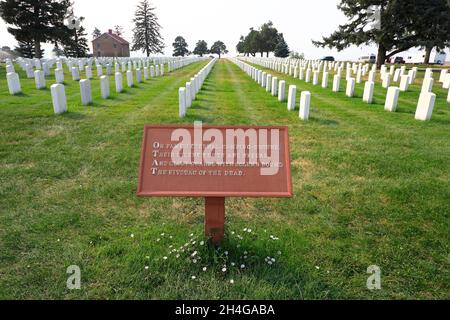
163, 234
165, 258
132, 235
242, 266
147, 257
232, 281
245, 252
245, 257
204, 269
279, 253
177, 256
146, 267
170, 237
273, 260
249, 230
202, 243
317, 267
245, 230
232, 232
191, 235
224, 269
58, 240
194, 254
193, 277
194, 261
226, 253
158, 240
270, 262
233, 264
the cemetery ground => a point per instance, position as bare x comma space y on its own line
370, 188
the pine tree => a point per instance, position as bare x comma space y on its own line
282, 48
401, 26
37, 21
118, 30
180, 47
76, 43
96, 33
201, 48
146, 32
26, 49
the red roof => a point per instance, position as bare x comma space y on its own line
115, 37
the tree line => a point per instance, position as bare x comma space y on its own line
264, 40
180, 48
401, 25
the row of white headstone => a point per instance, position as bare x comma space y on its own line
426, 100
277, 88
39, 75
188, 93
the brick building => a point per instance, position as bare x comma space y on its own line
110, 45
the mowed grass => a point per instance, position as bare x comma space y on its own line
371, 188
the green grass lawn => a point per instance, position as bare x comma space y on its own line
371, 188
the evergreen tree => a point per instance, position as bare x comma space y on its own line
433, 19
240, 47
147, 36
57, 51
282, 48
26, 49
96, 33
219, 48
118, 30
180, 47
268, 38
201, 48
400, 27
37, 21
76, 43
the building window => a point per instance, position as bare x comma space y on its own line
115, 46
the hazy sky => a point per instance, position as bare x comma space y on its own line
209, 20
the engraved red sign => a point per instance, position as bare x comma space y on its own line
215, 161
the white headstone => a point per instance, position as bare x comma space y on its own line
315, 78
308, 75
446, 83
138, 75
274, 86
39, 79
59, 75
88, 72
325, 80
75, 74
281, 91
146, 74
386, 80
292, 97
188, 95
104, 86
58, 98
368, 92
392, 99
86, 92
305, 102
350, 87
130, 81
336, 83
269, 83
427, 85
13, 83
404, 83
99, 70
119, 82
443, 75
182, 102
425, 106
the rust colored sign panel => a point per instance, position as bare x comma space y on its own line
215, 161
